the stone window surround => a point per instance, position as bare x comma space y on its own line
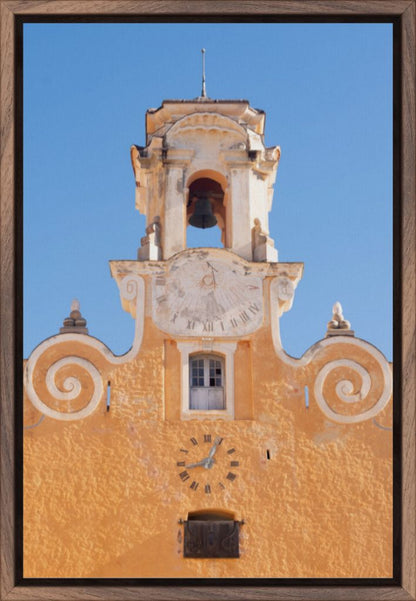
227, 350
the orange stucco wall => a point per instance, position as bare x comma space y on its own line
103, 498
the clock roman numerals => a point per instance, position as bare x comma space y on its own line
205, 460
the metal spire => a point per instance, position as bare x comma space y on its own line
204, 92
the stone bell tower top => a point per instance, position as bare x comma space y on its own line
172, 110
211, 149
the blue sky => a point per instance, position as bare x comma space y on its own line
327, 93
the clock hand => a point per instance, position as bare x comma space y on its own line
213, 448
199, 463
207, 463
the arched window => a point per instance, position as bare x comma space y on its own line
206, 382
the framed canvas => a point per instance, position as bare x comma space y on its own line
14, 583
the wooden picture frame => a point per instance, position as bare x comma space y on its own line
402, 13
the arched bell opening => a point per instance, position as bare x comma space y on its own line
205, 213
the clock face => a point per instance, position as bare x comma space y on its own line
207, 464
204, 295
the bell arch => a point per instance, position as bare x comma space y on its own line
211, 185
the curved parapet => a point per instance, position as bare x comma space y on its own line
350, 379
66, 375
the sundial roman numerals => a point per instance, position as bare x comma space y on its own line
207, 296
253, 308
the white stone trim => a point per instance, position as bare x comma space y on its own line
206, 121
72, 388
132, 294
227, 349
344, 389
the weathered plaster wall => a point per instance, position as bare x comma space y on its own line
102, 495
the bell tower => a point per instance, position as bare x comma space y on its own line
206, 451
205, 163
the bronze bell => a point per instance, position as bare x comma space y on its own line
202, 216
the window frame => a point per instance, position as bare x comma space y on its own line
226, 351
206, 359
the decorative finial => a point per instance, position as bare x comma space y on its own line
75, 305
203, 92
75, 323
338, 325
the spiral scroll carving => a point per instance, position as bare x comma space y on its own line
356, 391
69, 389
129, 287
60, 374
